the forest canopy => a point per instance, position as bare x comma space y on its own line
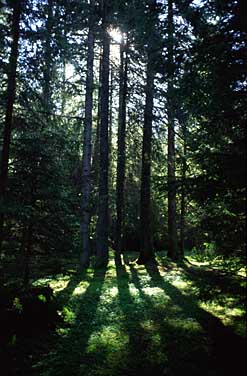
122, 126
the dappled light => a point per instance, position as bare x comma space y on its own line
122, 190
129, 318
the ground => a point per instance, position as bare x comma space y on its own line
165, 319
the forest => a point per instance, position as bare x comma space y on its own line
122, 187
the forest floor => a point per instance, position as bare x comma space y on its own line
167, 319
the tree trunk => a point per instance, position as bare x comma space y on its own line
27, 248
102, 223
146, 243
183, 193
121, 157
48, 63
110, 147
87, 147
96, 148
172, 227
8, 122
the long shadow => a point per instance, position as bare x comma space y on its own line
176, 358
64, 295
212, 283
228, 349
69, 356
138, 362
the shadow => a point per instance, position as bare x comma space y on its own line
227, 348
64, 295
212, 283
137, 361
176, 357
68, 355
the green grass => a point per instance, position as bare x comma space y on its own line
167, 319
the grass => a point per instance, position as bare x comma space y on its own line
164, 319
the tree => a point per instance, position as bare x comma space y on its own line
10, 99
146, 246
87, 147
102, 223
121, 157
172, 226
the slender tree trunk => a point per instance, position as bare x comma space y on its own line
96, 148
63, 91
87, 147
8, 122
110, 146
102, 224
27, 248
172, 227
48, 63
183, 193
121, 151
146, 244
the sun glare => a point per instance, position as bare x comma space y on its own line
116, 35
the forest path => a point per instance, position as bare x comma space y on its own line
132, 320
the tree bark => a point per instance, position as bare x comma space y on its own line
146, 236
87, 147
110, 179
183, 192
121, 156
102, 223
8, 122
96, 146
172, 227
146, 243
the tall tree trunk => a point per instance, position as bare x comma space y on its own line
8, 122
121, 156
110, 146
146, 236
102, 223
172, 227
63, 90
48, 63
146, 244
183, 193
87, 146
96, 146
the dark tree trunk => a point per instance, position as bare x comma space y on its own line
8, 122
146, 236
146, 243
27, 254
102, 223
183, 193
172, 227
110, 145
87, 147
121, 157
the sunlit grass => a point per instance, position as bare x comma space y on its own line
114, 322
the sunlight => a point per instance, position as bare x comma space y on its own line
81, 288
69, 71
116, 35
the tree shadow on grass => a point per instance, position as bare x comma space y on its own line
227, 349
175, 357
137, 361
212, 284
68, 356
